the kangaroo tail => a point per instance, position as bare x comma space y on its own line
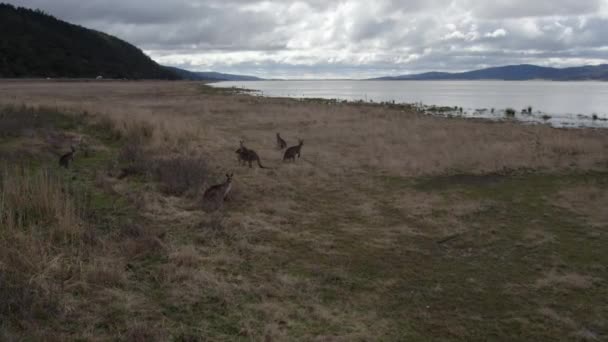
262, 166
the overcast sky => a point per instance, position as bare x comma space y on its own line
348, 38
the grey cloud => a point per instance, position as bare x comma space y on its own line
347, 37
499, 9
116, 11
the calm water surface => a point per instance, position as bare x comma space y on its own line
569, 104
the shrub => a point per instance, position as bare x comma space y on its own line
177, 175
134, 159
180, 174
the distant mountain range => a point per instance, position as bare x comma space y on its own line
34, 44
524, 72
210, 75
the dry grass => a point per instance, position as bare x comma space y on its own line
31, 199
342, 244
15, 120
337, 137
40, 238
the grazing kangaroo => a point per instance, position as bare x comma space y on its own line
67, 158
280, 142
246, 155
291, 152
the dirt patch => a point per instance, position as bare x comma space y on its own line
568, 280
560, 318
588, 201
461, 180
537, 237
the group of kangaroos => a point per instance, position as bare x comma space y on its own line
218, 193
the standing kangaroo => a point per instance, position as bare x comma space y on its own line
67, 158
291, 152
217, 193
280, 142
246, 155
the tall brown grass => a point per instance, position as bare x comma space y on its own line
38, 202
41, 230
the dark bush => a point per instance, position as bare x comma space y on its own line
22, 299
133, 159
177, 175
180, 175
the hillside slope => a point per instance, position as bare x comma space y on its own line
210, 75
34, 44
522, 72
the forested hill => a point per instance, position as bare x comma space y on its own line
34, 44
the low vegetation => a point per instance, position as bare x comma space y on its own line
391, 225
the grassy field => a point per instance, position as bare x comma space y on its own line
393, 226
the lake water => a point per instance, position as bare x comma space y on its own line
562, 104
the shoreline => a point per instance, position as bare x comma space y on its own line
564, 121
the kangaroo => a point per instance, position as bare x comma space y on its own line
246, 155
219, 192
67, 158
214, 196
291, 152
280, 142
